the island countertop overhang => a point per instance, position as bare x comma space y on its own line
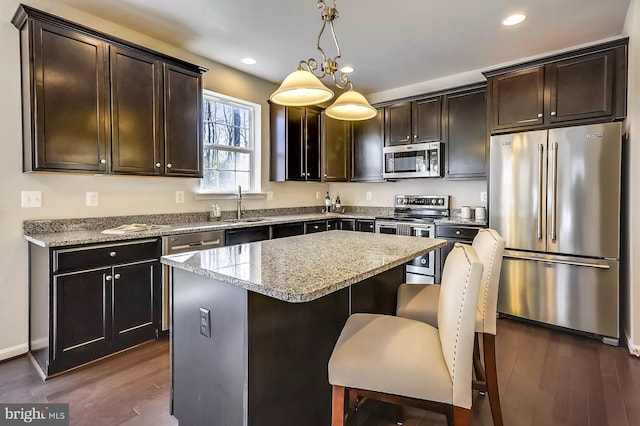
306, 267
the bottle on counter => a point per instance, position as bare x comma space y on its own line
327, 203
338, 203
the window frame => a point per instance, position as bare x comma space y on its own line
255, 142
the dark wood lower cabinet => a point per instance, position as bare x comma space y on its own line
248, 235
90, 308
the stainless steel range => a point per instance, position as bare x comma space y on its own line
415, 215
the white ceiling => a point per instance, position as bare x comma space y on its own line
389, 43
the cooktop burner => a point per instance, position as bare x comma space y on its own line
419, 208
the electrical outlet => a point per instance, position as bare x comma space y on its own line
269, 195
317, 195
205, 322
31, 199
368, 195
179, 197
483, 196
91, 199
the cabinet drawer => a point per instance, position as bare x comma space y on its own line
317, 226
79, 258
459, 232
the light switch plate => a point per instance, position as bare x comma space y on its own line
179, 197
30, 199
269, 195
368, 195
92, 199
205, 322
317, 195
483, 196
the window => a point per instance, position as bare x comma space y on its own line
231, 156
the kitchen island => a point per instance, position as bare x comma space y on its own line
254, 325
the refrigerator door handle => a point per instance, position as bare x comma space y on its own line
540, 189
554, 187
562, 262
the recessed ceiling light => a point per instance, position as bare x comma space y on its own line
513, 20
346, 70
248, 61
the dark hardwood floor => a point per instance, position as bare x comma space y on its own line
546, 378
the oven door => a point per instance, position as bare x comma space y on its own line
426, 264
386, 227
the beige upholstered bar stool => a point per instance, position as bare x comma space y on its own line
420, 302
408, 362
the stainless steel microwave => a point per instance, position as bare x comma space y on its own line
413, 161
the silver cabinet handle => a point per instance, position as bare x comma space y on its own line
116, 276
540, 190
415, 136
457, 232
157, 165
108, 278
325, 175
315, 227
408, 137
553, 113
169, 166
540, 115
112, 254
103, 161
554, 186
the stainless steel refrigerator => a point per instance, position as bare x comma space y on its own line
555, 198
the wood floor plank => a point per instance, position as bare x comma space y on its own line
546, 378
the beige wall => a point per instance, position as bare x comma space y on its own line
631, 301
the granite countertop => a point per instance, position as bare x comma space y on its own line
461, 221
305, 267
60, 239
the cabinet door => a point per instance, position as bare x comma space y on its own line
466, 148
294, 137
287, 230
365, 225
335, 149
368, 140
82, 315
398, 124
518, 99
581, 87
183, 122
136, 112
136, 303
348, 224
316, 226
312, 149
69, 101
427, 120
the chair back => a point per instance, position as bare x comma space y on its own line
457, 307
489, 247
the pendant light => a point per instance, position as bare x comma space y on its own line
303, 87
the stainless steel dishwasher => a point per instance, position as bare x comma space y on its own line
174, 244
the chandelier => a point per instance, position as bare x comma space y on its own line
303, 86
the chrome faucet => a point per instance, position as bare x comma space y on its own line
239, 202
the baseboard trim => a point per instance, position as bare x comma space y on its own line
13, 351
633, 348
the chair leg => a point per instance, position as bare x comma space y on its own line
399, 414
461, 416
352, 414
337, 406
477, 362
489, 345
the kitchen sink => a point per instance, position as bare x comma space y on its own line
247, 220
191, 228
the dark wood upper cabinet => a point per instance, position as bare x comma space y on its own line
95, 103
466, 134
414, 122
583, 86
398, 124
136, 112
366, 149
65, 100
518, 99
295, 143
426, 120
336, 138
182, 122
